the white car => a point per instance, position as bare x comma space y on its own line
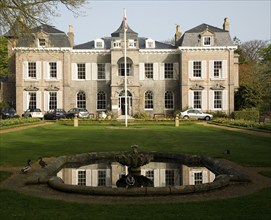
33, 113
197, 114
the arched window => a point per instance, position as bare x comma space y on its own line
81, 100
121, 69
148, 100
101, 100
169, 100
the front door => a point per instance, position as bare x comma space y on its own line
122, 103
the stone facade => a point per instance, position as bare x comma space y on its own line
199, 71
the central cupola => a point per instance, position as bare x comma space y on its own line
117, 38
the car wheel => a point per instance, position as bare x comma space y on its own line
207, 118
186, 117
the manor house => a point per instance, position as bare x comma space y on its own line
199, 70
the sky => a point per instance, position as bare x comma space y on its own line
249, 19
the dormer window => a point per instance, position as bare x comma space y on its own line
99, 43
131, 43
207, 41
42, 42
117, 44
150, 43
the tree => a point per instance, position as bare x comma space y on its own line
254, 76
3, 57
29, 13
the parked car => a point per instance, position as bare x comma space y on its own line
197, 114
34, 113
8, 113
54, 114
80, 112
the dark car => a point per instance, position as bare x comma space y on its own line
33, 113
8, 113
54, 114
80, 112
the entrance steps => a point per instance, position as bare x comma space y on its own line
122, 118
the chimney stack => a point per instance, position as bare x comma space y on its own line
178, 33
226, 24
71, 36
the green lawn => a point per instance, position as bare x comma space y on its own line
56, 140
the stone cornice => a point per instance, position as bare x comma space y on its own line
158, 51
31, 88
93, 51
195, 49
42, 49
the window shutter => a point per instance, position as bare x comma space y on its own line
162, 71
25, 100
155, 71
94, 71
162, 177
38, 66
46, 101
108, 177
225, 100
88, 177
25, 70
39, 100
60, 174
204, 100
204, 176
59, 99
46, 70
74, 71
190, 69
176, 71
74, 177
212, 176
191, 178
190, 99
143, 172
211, 100
141, 71
211, 69
107, 71
156, 178
203, 70
88, 71
94, 177
224, 69
59, 72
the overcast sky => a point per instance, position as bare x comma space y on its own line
249, 19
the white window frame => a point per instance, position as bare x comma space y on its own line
41, 42
148, 103
77, 177
191, 70
150, 43
99, 43
169, 100
224, 70
59, 100
131, 43
204, 42
26, 99
104, 100
117, 44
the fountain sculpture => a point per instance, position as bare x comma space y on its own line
134, 161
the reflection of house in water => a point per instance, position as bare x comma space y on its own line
162, 174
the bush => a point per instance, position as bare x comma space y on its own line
142, 115
247, 114
18, 121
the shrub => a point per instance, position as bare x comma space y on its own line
247, 114
142, 115
18, 121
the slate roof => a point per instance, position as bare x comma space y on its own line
119, 31
191, 38
107, 42
56, 37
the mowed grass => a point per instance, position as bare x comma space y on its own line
57, 140
14, 205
